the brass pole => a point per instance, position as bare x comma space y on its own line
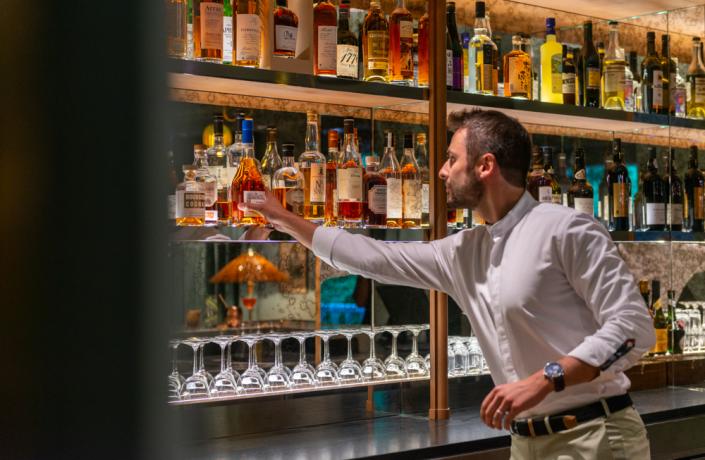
438, 409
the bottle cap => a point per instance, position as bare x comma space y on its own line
651, 36
344, 4
247, 131
550, 26
408, 141
479, 9
696, 39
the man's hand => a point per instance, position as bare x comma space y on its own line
504, 402
270, 208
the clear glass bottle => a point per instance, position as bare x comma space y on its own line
347, 48
628, 86
349, 179
247, 185
247, 33
208, 182
482, 36
401, 40
636, 82
696, 81
331, 211
219, 165
312, 164
286, 28
375, 185
454, 51
422, 161
614, 72
235, 149
208, 30
176, 28
190, 200
517, 71
325, 39
288, 183
271, 161
391, 170
411, 185
679, 93
551, 57
375, 45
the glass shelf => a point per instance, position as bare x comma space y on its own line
658, 237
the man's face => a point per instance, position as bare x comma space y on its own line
463, 188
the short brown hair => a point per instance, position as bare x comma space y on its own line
494, 132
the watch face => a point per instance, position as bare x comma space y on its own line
553, 370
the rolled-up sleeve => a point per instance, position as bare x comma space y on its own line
596, 271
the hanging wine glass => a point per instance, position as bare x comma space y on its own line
176, 380
277, 377
393, 364
226, 382
196, 386
303, 375
201, 366
414, 363
372, 367
251, 380
326, 371
350, 370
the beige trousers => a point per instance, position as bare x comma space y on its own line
620, 436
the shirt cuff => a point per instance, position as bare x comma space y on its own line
588, 353
323, 242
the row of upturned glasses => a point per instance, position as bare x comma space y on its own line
254, 379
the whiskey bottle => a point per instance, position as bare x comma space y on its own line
654, 195
325, 39
619, 190
219, 165
375, 185
551, 57
652, 78
674, 188
694, 183
489, 70
696, 82
556, 195
176, 28
208, 30
209, 184
660, 326
349, 180
454, 51
568, 80
347, 47
591, 69
636, 84
669, 68
375, 45
401, 40
410, 185
391, 170
517, 71
422, 161
482, 35
247, 33
248, 185
331, 211
538, 184
227, 32
424, 29
288, 183
580, 193
313, 166
190, 200
645, 292
286, 28
676, 329
271, 161
614, 72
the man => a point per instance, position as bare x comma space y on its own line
540, 284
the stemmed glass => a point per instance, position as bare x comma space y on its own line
476, 361
227, 380
176, 380
326, 371
393, 364
373, 367
201, 366
278, 375
461, 356
414, 363
350, 370
251, 380
303, 375
196, 386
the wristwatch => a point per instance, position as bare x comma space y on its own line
555, 373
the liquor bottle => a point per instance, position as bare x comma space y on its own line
288, 183
645, 292
603, 190
652, 78
654, 195
176, 28
271, 161
464, 43
331, 210
676, 330
208, 30
660, 326
497, 40
636, 82
410, 185
628, 86
375, 186
580, 193
674, 189
190, 52
190, 200
235, 149
613, 73
601, 53
227, 32
556, 195
561, 176
619, 190
248, 186
424, 29
679, 93
325, 39
591, 69
286, 29
668, 67
247, 33
696, 82
347, 47
401, 40
209, 184
489, 70
313, 166
219, 165
422, 161
694, 183
454, 51
349, 180
538, 184
568, 76
551, 57
391, 170
476, 59
375, 45
517, 71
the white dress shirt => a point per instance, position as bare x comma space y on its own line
544, 282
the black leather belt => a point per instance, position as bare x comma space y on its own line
556, 423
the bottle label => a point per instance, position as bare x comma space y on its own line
211, 216
394, 198
556, 74
568, 86
657, 90
487, 75
661, 345
698, 203
406, 29
580, 174
190, 204
545, 195
425, 207
253, 196
593, 79
699, 85
377, 50
655, 214
327, 47
519, 76
674, 213
211, 25
614, 79
347, 61
349, 183
620, 200
247, 37
557, 198
377, 199
317, 188
449, 68
411, 191
584, 205
210, 192
285, 38
227, 39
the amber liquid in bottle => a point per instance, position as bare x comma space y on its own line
286, 25
247, 34
349, 180
374, 210
375, 45
247, 179
325, 39
208, 30
401, 40
331, 210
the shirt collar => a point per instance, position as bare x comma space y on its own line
509, 221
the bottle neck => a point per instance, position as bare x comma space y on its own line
650, 48
218, 139
613, 46
311, 136
343, 19
288, 162
587, 37
481, 27
697, 57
